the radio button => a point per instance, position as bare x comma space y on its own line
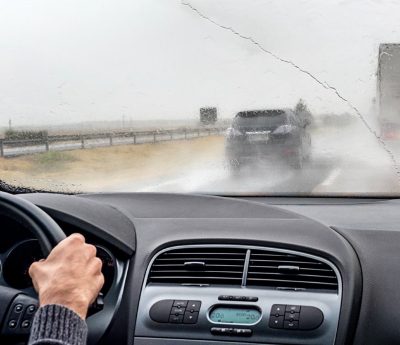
190, 318
310, 318
242, 332
293, 309
223, 298
291, 325
292, 317
193, 306
252, 299
177, 311
276, 321
160, 311
180, 303
176, 319
278, 310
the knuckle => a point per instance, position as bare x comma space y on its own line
32, 269
77, 238
98, 263
91, 249
101, 280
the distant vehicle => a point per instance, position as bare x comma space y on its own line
267, 135
208, 115
389, 90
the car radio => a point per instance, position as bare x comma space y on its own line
287, 317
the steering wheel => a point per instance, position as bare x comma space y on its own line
17, 309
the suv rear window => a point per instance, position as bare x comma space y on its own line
260, 120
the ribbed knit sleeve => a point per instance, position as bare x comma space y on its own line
55, 324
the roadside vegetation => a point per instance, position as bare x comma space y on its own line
106, 168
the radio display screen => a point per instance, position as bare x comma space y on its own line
223, 314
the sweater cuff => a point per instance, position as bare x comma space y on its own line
55, 324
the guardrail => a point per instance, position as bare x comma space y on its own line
12, 148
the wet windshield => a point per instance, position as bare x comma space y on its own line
151, 95
260, 120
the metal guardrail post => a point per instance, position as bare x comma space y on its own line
82, 142
1, 148
134, 139
185, 133
46, 143
154, 137
111, 140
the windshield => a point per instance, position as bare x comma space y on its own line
151, 96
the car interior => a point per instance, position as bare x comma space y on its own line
236, 164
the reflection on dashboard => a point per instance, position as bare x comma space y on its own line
22, 255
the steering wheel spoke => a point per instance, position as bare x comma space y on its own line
16, 313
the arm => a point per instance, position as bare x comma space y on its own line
67, 282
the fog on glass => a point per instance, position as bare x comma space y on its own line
71, 61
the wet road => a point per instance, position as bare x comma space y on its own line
344, 161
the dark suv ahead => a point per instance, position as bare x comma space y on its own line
268, 135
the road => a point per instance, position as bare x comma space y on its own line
345, 161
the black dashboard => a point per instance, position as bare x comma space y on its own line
192, 269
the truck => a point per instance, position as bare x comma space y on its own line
388, 91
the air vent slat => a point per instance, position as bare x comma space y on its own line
266, 269
219, 266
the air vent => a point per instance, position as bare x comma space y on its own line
289, 271
199, 266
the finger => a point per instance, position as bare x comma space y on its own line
75, 237
95, 266
90, 250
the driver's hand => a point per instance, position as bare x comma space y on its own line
70, 276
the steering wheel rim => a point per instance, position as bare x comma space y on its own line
42, 226
49, 234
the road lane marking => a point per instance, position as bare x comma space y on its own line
331, 177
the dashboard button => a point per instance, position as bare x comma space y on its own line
193, 306
291, 325
177, 311
310, 318
278, 309
176, 319
223, 298
292, 317
276, 321
180, 303
293, 308
243, 332
160, 311
215, 330
252, 299
190, 318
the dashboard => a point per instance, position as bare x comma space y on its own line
193, 269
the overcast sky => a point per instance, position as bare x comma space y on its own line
72, 60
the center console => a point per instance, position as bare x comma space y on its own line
280, 297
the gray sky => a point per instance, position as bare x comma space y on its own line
68, 60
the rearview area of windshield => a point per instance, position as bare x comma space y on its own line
274, 97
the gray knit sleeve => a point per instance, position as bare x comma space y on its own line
57, 325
